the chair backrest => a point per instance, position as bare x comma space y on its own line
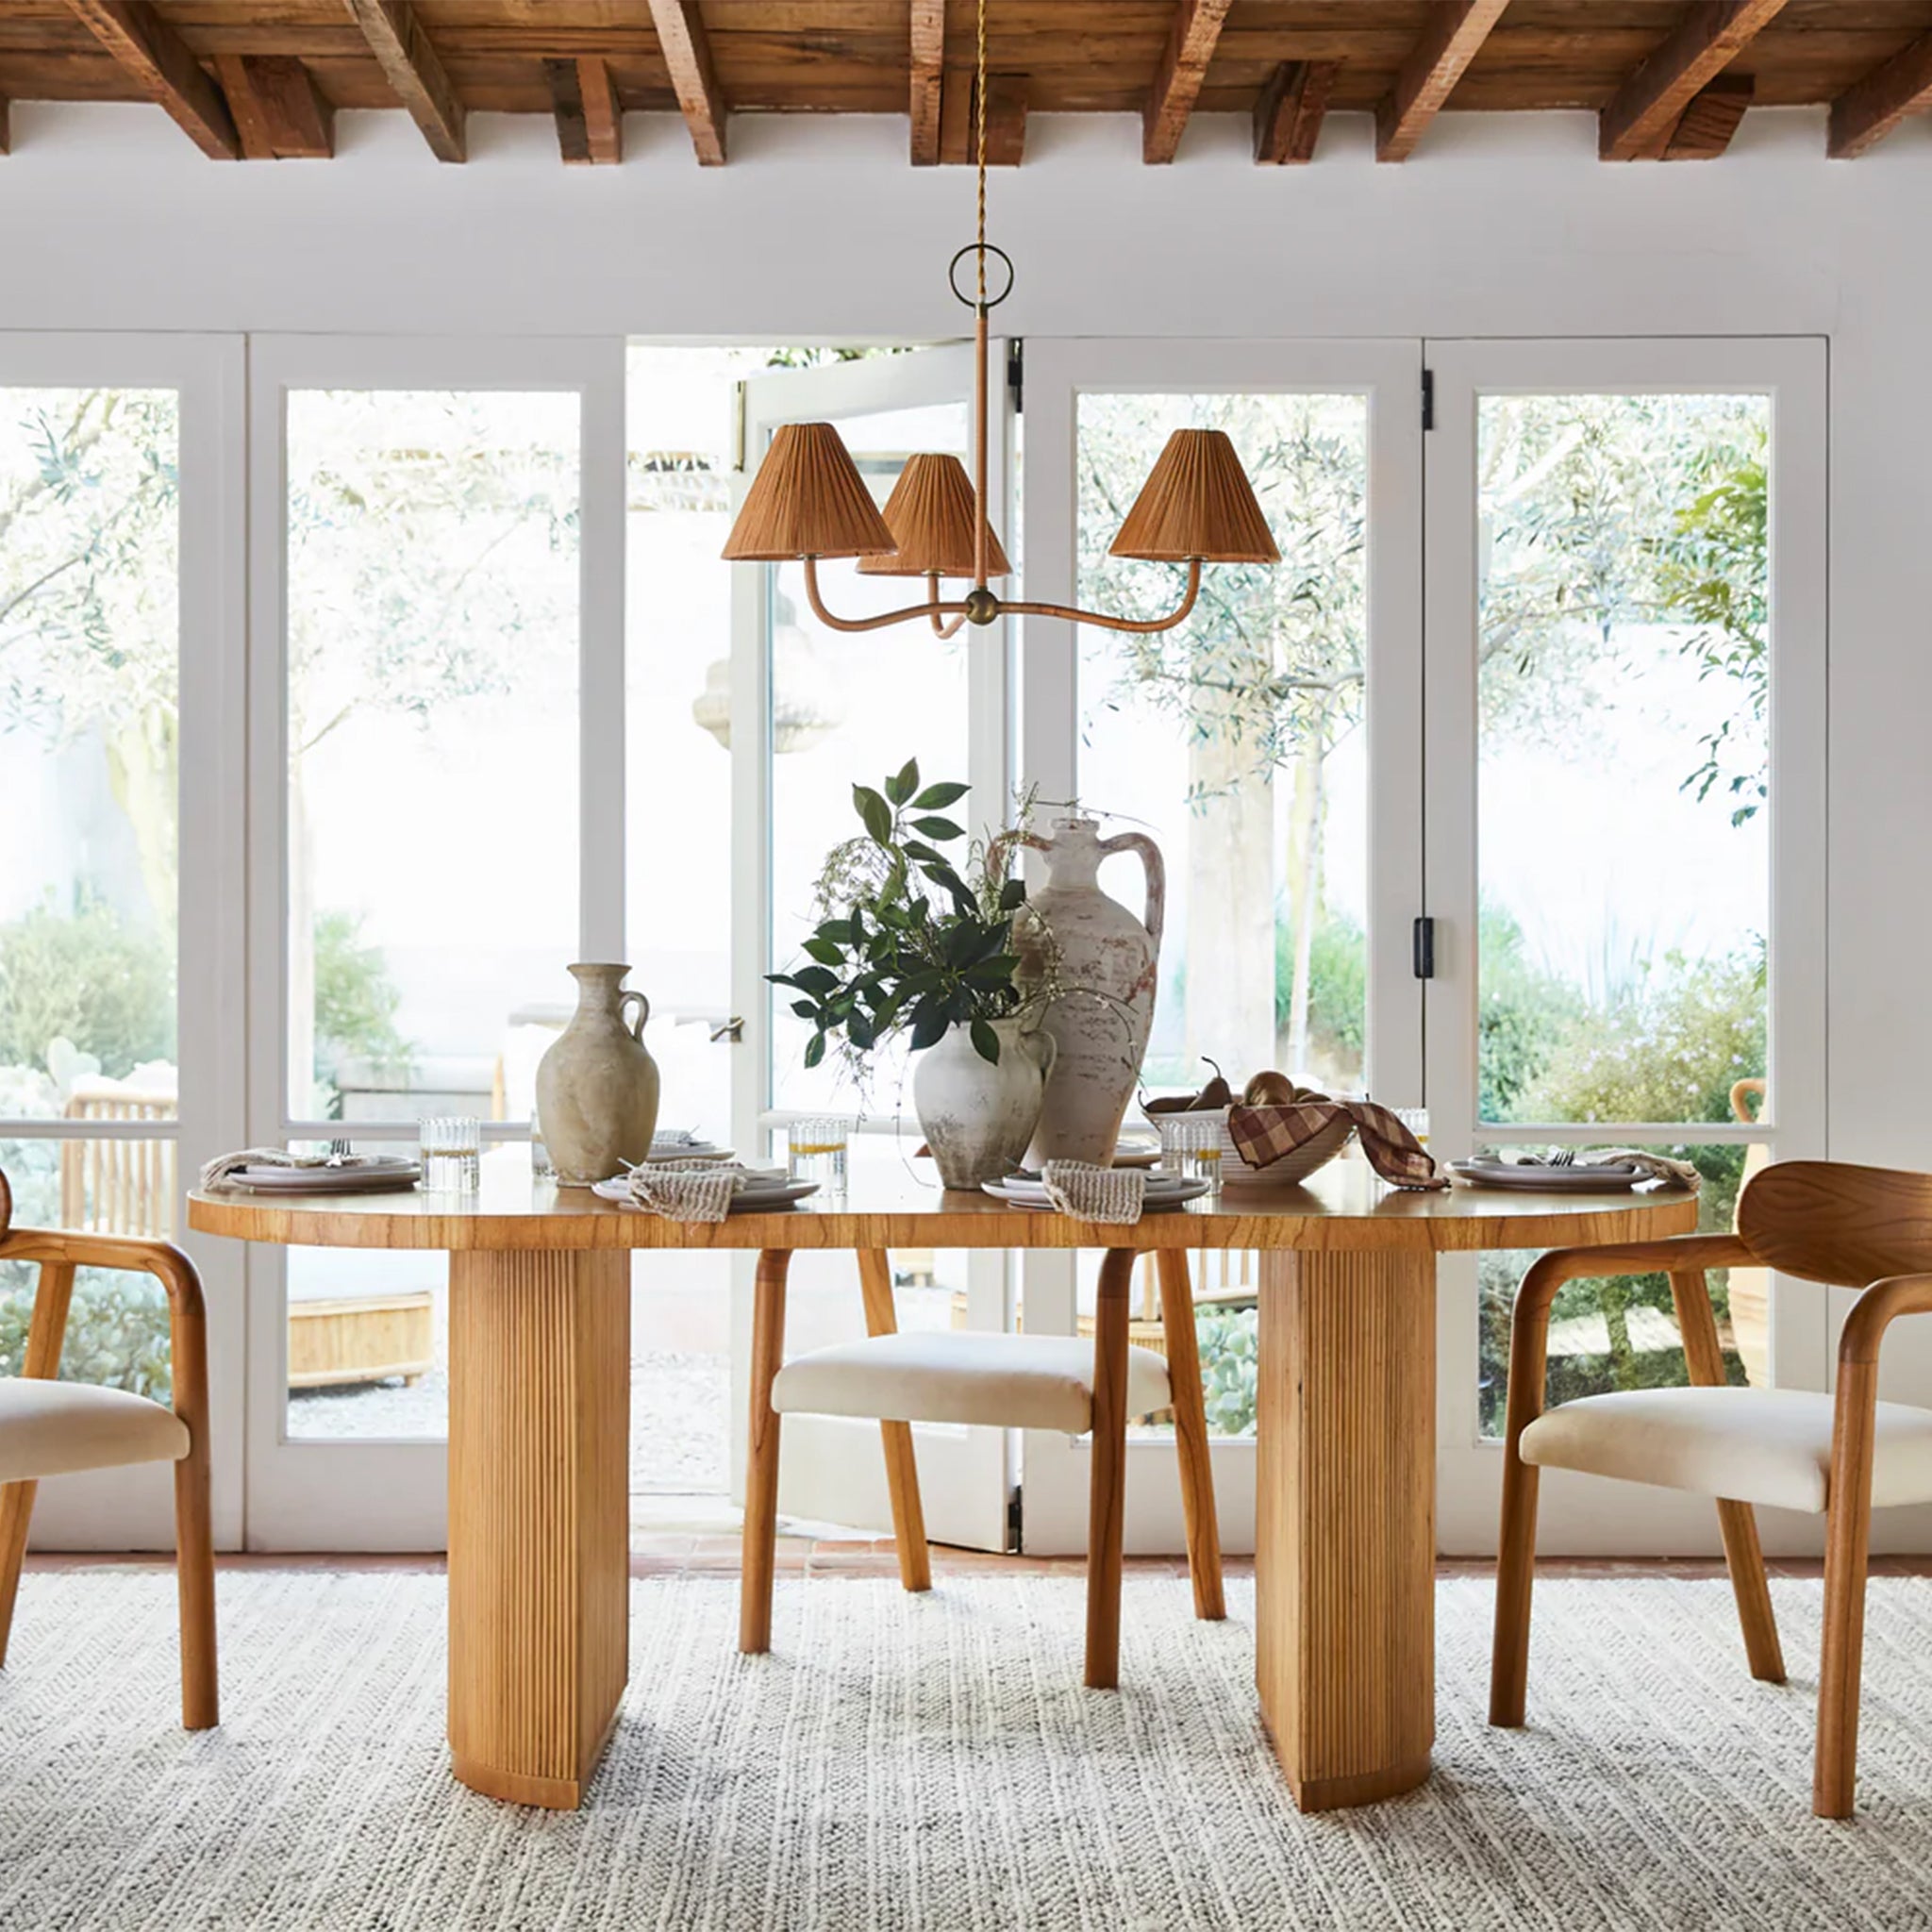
1830, 1220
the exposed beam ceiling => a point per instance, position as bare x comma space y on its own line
414, 72
1177, 81
1457, 29
1288, 116
1005, 120
1710, 120
1639, 120
280, 111
157, 60
590, 123
693, 75
928, 77
1869, 111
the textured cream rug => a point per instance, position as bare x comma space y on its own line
933, 1763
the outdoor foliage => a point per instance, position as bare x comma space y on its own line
356, 1000
904, 943
1228, 1341
87, 976
117, 1334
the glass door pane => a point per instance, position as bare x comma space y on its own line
1626, 635
90, 722
1270, 746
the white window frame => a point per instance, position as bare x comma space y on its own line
1582, 1514
132, 1508
363, 1493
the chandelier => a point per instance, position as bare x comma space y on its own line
808, 501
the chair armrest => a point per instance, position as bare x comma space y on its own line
1874, 1311
1680, 1256
187, 1312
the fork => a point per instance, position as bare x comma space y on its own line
1563, 1156
338, 1154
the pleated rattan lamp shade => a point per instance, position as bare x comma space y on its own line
930, 514
806, 500
1197, 502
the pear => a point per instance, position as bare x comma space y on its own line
1216, 1094
1270, 1089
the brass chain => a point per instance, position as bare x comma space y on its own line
979, 133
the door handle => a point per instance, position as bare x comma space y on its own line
733, 1030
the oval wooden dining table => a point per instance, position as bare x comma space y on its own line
1345, 1429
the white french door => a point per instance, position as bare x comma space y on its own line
1626, 757
1272, 746
437, 615
813, 711
121, 529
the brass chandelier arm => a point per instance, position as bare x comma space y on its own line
932, 608
1140, 626
942, 628
937, 609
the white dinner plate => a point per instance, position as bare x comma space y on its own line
375, 1177
699, 1152
773, 1190
1617, 1179
1155, 1201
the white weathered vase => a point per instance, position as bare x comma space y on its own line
597, 1083
977, 1117
1109, 960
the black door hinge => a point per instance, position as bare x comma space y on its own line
1424, 941
1013, 1522
1429, 398
1016, 374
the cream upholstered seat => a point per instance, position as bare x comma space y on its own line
59, 1428
1008, 1381
1754, 1445
1062, 1383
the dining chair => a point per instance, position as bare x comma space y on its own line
1863, 1227
50, 1427
1057, 1382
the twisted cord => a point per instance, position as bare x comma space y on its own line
979, 136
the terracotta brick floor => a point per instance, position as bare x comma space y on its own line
671, 1553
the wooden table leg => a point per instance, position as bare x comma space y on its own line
902, 1462
1345, 1550
761, 1456
1107, 1492
538, 1518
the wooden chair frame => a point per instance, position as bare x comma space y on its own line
1106, 1495
59, 1255
1848, 1517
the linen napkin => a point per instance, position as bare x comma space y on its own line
1263, 1135
1659, 1171
689, 1191
1095, 1193
216, 1171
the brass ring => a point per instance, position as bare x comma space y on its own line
976, 248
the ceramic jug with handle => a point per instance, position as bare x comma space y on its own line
1106, 960
597, 1083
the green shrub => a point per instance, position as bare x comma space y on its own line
356, 1000
1228, 1341
117, 1333
107, 987
1522, 1012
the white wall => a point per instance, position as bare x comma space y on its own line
1502, 226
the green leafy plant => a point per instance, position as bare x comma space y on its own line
117, 1335
904, 943
1228, 1340
84, 975
355, 1002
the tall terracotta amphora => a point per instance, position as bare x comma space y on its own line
1107, 960
597, 1083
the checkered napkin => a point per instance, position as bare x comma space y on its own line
1095, 1193
696, 1191
1263, 1135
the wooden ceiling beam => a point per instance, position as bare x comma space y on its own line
927, 59
415, 75
1639, 120
1457, 29
1868, 110
1288, 114
693, 75
1711, 118
1190, 43
280, 113
590, 123
157, 60
1005, 120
